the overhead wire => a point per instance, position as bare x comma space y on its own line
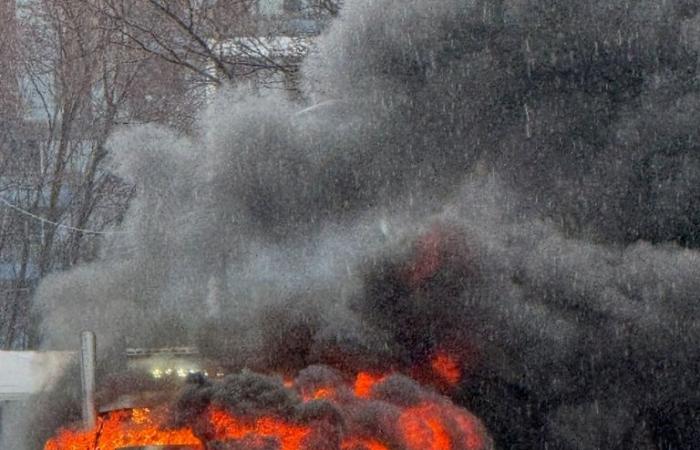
57, 224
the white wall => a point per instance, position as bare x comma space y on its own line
25, 373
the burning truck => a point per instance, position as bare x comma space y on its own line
330, 412
312, 411
190, 402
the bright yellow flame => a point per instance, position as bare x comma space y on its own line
140, 416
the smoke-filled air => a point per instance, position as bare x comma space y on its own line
486, 212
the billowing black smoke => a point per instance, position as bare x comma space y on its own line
513, 182
392, 413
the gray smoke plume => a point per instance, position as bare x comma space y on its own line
546, 150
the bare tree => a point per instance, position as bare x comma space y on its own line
73, 70
217, 42
73, 86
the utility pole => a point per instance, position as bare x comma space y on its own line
88, 351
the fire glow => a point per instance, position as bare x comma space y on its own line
426, 422
447, 368
124, 428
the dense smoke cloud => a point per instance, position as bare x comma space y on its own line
394, 409
515, 182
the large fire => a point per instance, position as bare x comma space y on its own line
427, 421
124, 428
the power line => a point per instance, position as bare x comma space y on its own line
56, 224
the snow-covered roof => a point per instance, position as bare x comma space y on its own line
264, 46
26, 373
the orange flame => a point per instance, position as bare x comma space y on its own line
432, 424
423, 427
320, 394
422, 430
125, 428
447, 368
364, 382
228, 427
362, 444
